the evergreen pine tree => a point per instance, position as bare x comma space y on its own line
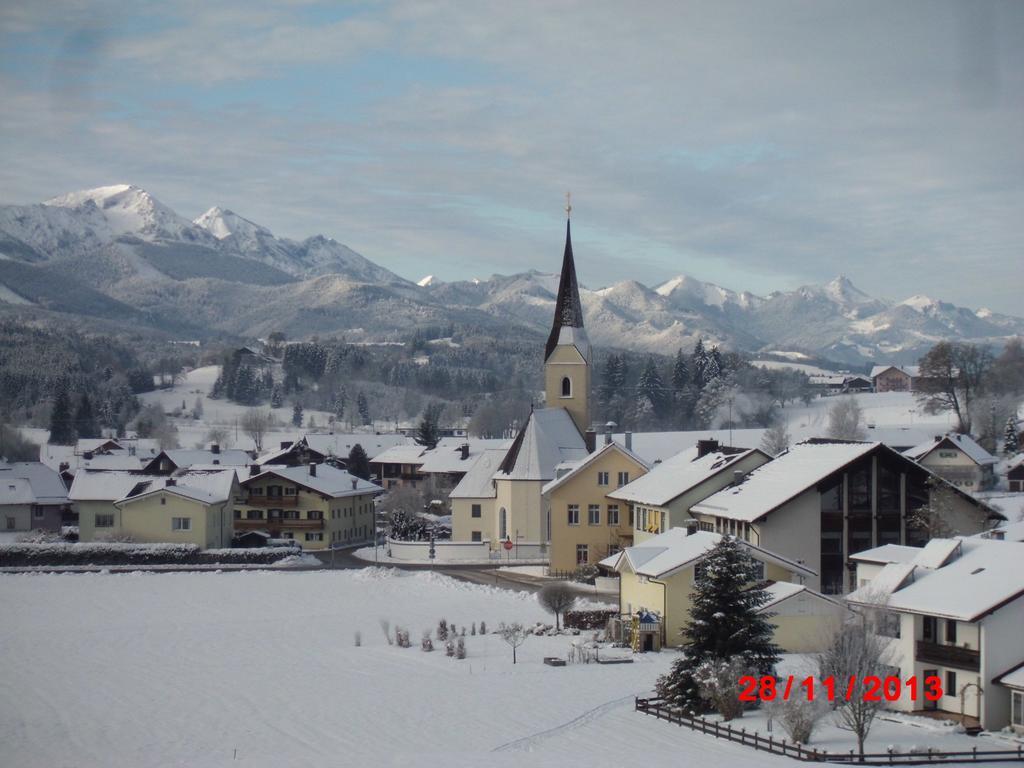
699, 365
85, 419
62, 425
651, 387
358, 462
724, 624
276, 396
680, 372
1011, 441
428, 432
364, 409
297, 415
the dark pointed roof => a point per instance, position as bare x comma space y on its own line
568, 310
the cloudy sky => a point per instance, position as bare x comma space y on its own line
760, 145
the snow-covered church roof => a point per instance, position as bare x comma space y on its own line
549, 438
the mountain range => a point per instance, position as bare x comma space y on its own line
116, 255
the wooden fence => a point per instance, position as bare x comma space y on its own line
663, 711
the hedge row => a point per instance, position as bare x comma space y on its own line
23, 555
588, 619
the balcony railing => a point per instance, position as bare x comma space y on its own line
948, 655
271, 501
279, 524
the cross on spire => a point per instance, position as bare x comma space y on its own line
568, 205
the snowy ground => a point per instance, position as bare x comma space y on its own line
882, 409
261, 669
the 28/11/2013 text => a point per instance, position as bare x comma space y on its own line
871, 688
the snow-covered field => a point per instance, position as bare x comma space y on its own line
261, 669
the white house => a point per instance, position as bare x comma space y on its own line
957, 459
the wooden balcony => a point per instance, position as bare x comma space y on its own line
276, 502
277, 524
948, 656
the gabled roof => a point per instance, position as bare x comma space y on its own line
913, 371
477, 483
780, 591
964, 443
401, 454
329, 481
16, 490
548, 438
665, 554
46, 485
575, 467
206, 486
341, 444
182, 458
447, 456
964, 578
791, 473
677, 475
102, 485
1013, 677
568, 310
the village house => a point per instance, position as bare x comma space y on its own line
656, 581
822, 501
329, 448
32, 497
121, 453
661, 499
585, 524
1015, 474
957, 459
956, 611
318, 505
895, 378
169, 461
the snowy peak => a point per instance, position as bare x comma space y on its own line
222, 223
426, 281
127, 210
688, 292
921, 303
845, 292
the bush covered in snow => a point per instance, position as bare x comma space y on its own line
588, 619
117, 553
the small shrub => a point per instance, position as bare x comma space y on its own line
460, 649
449, 648
386, 626
442, 630
718, 682
472, 630
359, 639
426, 644
402, 638
483, 627
585, 574
797, 715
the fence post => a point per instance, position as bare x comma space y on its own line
889, 750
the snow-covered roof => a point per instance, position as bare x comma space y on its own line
787, 476
964, 443
447, 456
477, 483
401, 454
340, 444
573, 468
186, 457
887, 553
663, 555
676, 475
975, 577
1013, 677
102, 485
549, 438
45, 484
911, 370
330, 481
779, 591
16, 490
1006, 532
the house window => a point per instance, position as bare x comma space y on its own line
593, 514
630, 515
254, 514
181, 523
582, 554
102, 521
613, 514
256, 491
623, 478
314, 537
289, 491
1017, 715
37, 512
238, 514
706, 526
566, 387
950, 631
287, 535
602, 478
951, 689
574, 514
928, 630
314, 514
11, 523
274, 490
503, 523
476, 536
163, 501
290, 514
475, 510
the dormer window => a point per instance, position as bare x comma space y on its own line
566, 387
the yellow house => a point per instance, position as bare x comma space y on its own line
585, 525
661, 499
170, 512
657, 577
318, 505
473, 500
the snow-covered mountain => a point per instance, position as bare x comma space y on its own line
118, 254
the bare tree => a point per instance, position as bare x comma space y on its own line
255, 423
951, 376
556, 597
218, 436
798, 715
844, 420
514, 635
775, 439
931, 520
854, 653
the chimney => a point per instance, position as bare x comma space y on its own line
464, 451
254, 469
215, 448
286, 444
704, 447
216, 461
629, 440
691, 527
609, 427
170, 482
87, 455
738, 476
355, 482
590, 440
312, 469
64, 467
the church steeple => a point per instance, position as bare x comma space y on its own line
568, 310
567, 352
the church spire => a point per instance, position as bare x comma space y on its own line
568, 311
